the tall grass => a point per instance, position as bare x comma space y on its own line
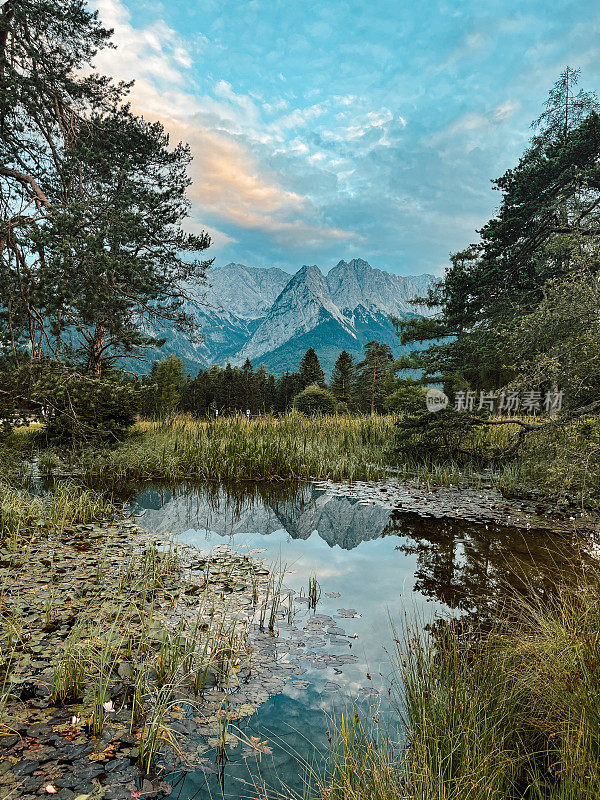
291, 447
23, 514
560, 462
512, 712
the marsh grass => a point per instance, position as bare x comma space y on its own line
69, 674
228, 449
23, 515
561, 462
163, 667
117, 601
564, 460
511, 712
363, 763
156, 733
314, 592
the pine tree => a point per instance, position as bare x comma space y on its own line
249, 388
46, 90
288, 386
343, 377
120, 249
168, 376
549, 215
371, 376
227, 393
92, 198
310, 369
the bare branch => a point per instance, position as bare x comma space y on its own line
26, 180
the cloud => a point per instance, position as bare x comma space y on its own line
322, 131
230, 183
155, 52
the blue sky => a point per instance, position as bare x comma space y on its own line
341, 129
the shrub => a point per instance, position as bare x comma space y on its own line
78, 406
315, 400
408, 399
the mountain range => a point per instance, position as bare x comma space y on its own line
272, 317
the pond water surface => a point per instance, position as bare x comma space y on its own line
375, 568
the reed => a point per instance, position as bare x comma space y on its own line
314, 592
156, 733
23, 516
228, 449
70, 672
72, 504
222, 733
564, 460
508, 713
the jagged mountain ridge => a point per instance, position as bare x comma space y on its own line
339, 521
272, 317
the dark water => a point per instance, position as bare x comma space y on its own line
385, 566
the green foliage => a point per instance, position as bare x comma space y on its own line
310, 369
558, 344
120, 249
446, 434
161, 393
409, 399
92, 199
235, 389
343, 378
81, 407
374, 377
547, 219
315, 399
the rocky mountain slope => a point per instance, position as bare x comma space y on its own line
272, 317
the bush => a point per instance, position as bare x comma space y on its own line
78, 406
315, 400
408, 399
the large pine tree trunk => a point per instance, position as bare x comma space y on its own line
97, 349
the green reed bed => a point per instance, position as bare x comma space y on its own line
561, 462
23, 516
295, 447
506, 714
292, 447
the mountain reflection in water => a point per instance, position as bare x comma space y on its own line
456, 563
388, 566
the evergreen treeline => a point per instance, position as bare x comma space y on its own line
518, 312
368, 386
